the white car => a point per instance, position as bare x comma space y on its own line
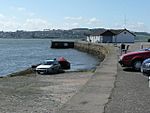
48, 66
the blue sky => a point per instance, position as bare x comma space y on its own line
68, 14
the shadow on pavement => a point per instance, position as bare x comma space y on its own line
130, 70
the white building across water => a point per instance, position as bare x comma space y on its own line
112, 36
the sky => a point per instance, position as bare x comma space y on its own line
34, 15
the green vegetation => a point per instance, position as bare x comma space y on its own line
142, 36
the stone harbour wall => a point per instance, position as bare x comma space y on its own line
97, 50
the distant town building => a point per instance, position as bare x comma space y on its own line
112, 36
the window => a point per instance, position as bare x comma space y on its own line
125, 32
66, 44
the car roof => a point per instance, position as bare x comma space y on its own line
146, 49
147, 60
51, 60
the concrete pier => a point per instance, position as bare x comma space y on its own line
95, 94
62, 44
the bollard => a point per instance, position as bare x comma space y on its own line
122, 47
148, 81
141, 46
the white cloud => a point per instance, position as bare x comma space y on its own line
82, 22
75, 24
29, 21
9, 25
2, 16
33, 22
133, 26
73, 18
31, 14
13, 23
93, 21
68, 26
139, 26
21, 9
36, 24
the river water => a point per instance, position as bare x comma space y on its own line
19, 54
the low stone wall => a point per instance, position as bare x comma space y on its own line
97, 50
22, 73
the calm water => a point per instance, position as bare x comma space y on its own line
19, 54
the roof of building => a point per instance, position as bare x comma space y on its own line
118, 31
104, 32
108, 33
98, 32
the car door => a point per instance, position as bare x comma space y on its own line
56, 65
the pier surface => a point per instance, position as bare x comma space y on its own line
96, 92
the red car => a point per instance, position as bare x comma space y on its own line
64, 63
134, 59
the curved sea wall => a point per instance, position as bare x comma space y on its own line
97, 50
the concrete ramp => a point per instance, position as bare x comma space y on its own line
95, 94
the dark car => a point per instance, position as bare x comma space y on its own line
134, 59
145, 68
63, 63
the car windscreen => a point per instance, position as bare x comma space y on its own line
147, 60
48, 63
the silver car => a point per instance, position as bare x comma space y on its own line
48, 66
145, 68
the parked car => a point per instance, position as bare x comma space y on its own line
64, 63
145, 68
134, 59
48, 66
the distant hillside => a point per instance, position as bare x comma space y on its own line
76, 33
142, 36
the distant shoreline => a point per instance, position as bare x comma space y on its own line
77, 33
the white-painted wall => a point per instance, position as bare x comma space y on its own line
124, 37
88, 38
94, 39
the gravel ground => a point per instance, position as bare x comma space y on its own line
131, 93
39, 93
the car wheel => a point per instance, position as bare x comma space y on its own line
38, 72
137, 65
